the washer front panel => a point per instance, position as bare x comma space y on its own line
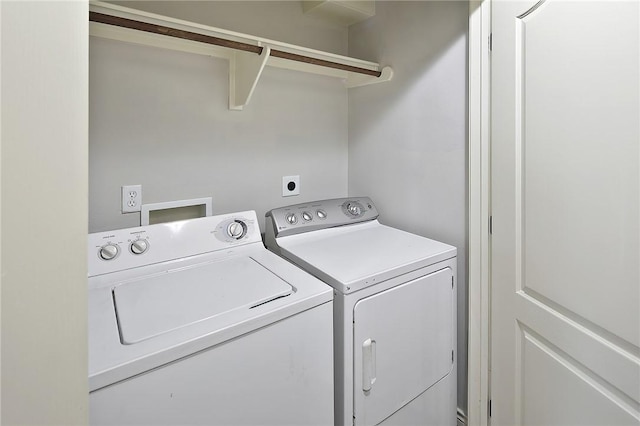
280, 374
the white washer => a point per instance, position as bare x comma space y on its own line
195, 322
394, 309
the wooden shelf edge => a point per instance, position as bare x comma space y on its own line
280, 56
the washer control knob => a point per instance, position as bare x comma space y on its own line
354, 209
306, 216
321, 214
291, 218
108, 251
236, 229
139, 246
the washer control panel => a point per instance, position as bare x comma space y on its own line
122, 249
306, 217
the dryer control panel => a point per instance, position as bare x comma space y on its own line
316, 215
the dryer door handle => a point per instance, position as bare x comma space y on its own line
368, 364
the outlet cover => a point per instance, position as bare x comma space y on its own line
131, 198
290, 186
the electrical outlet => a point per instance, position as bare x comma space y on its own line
131, 198
290, 186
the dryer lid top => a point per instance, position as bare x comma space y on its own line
156, 304
353, 257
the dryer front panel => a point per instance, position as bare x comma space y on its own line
403, 344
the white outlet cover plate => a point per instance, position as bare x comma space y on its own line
286, 180
131, 198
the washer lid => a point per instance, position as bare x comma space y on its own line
170, 300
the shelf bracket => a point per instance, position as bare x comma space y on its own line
357, 80
245, 69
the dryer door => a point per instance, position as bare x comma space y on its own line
403, 343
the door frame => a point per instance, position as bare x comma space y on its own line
479, 213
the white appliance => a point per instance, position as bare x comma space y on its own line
195, 322
394, 309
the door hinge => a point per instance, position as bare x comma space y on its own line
491, 42
489, 408
451, 356
490, 225
451, 282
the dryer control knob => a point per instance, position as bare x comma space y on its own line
139, 246
306, 216
236, 229
108, 252
321, 214
291, 218
354, 209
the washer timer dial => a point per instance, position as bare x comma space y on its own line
237, 229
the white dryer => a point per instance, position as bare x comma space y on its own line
195, 322
394, 309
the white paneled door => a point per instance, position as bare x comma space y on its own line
565, 302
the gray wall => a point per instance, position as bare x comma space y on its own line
160, 118
407, 138
44, 213
281, 20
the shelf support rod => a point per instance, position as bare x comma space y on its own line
203, 38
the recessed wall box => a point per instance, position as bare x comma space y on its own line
176, 210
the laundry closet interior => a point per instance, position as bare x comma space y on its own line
161, 118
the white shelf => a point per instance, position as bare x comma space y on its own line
245, 68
